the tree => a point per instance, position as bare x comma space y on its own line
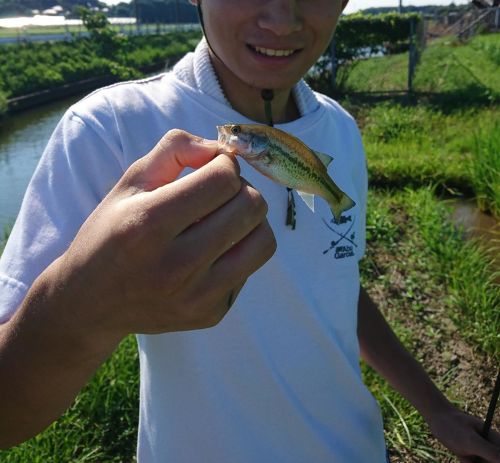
106, 39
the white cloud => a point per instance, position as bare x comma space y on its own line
115, 2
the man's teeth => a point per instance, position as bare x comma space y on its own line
271, 52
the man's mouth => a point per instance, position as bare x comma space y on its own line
273, 51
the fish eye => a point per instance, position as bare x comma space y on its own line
235, 129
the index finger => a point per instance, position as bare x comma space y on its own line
187, 200
176, 150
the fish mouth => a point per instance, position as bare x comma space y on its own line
273, 52
224, 137
237, 143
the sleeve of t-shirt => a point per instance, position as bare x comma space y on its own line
80, 164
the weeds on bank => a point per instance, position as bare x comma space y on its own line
455, 74
484, 168
418, 146
432, 285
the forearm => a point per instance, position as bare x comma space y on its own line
382, 350
48, 352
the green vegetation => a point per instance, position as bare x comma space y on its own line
33, 67
3, 104
426, 10
448, 69
484, 167
432, 285
419, 145
447, 134
358, 34
437, 289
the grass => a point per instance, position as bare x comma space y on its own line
446, 134
447, 68
484, 168
419, 146
438, 290
388, 73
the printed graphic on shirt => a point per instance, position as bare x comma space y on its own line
344, 237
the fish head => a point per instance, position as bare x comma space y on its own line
242, 139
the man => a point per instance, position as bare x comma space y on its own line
277, 378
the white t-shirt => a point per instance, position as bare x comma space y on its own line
278, 380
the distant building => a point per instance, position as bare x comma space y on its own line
54, 11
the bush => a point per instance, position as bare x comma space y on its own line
3, 104
32, 67
359, 35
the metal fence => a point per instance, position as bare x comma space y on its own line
24, 35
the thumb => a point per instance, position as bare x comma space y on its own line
176, 150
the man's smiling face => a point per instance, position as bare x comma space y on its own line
269, 43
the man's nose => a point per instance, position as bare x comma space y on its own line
282, 17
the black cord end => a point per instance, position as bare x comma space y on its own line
267, 94
290, 210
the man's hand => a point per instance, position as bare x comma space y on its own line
456, 430
161, 254
461, 434
158, 254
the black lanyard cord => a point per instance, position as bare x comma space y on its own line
268, 95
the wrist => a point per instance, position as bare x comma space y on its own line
433, 404
60, 305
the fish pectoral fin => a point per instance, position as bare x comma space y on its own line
308, 199
326, 159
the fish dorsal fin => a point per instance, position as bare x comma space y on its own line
326, 159
308, 199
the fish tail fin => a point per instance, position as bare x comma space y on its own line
338, 207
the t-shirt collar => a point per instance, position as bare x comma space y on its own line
196, 70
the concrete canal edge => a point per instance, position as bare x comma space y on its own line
42, 97
46, 96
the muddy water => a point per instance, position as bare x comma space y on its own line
479, 225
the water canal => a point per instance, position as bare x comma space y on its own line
23, 138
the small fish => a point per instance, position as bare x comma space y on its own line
286, 160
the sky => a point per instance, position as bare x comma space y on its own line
355, 5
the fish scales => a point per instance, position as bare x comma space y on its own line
295, 170
286, 160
